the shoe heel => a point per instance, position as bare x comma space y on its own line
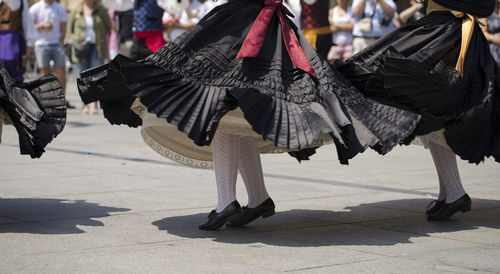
268, 213
465, 208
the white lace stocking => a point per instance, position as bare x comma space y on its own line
450, 185
250, 168
225, 153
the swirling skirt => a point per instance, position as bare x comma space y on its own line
193, 83
36, 108
413, 68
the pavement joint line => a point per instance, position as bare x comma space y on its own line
287, 229
271, 175
111, 214
262, 267
329, 265
389, 255
302, 228
345, 184
106, 155
145, 244
94, 193
202, 208
164, 187
364, 225
356, 223
165, 210
420, 260
453, 266
62, 219
248, 231
62, 176
358, 194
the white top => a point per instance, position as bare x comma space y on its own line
28, 26
55, 14
207, 6
89, 29
13, 4
118, 5
173, 6
342, 37
184, 19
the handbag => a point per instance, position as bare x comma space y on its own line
82, 50
365, 23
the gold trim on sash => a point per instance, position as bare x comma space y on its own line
467, 30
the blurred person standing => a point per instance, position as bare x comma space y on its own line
415, 11
147, 28
89, 26
112, 36
341, 24
50, 20
17, 35
124, 22
491, 31
373, 20
207, 6
315, 24
184, 20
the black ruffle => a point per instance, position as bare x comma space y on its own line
195, 80
36, 108
413, 68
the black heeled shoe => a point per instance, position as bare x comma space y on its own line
447, 210
434, 206
216, 220
247, 214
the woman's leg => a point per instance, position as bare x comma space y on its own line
450, 185
81, 67
259, 203
225, 151
94, 61
250, 168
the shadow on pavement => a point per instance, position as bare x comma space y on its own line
382, 223
50, 216
78, 124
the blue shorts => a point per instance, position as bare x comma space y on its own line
46, 53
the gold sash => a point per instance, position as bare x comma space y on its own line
467, 30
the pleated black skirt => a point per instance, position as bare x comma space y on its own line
36, 108
413, 68
194, 81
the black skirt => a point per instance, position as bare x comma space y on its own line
37, 109
413, 68
195, 80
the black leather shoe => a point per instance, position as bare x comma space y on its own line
68, 105
216, 220
447, 210
434, 206
247, 214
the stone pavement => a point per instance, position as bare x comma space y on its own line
100, 201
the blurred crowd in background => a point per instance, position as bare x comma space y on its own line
42, 36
